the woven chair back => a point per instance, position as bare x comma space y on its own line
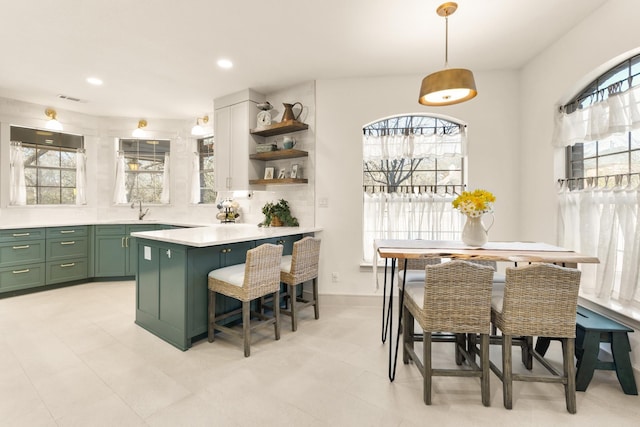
304, 260
541, 300
457, 297
262, 270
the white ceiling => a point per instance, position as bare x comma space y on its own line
158, 58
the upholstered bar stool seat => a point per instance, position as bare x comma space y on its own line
257, 277
296, 269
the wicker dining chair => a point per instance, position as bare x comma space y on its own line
296, 269
257, 277
539, 300
455, 298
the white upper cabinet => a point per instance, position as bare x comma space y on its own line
235, 115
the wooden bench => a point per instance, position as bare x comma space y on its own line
592, 329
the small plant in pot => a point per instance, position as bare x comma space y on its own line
278, 215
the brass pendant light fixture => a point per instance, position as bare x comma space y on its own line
451, 85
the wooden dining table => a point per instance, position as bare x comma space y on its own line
514, 252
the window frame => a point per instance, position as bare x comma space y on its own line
135, 159
48, 141
206, 173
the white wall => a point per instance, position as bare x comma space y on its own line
345, 106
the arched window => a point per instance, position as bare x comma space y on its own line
598, 199
413, 166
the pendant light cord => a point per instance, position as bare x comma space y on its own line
446, 41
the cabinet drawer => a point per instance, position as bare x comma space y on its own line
19, 234
66, 271
71, 231
66, 248
25, 252
21, 277
107, 230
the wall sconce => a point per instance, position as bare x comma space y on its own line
198, 130
138, 132
451, 85
52, 123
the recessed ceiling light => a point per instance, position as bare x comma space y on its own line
225, 63
94, 81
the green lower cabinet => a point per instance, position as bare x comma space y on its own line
161, 294
172, 288
110, 256
66, 271
21, 253
21, 277
115, 249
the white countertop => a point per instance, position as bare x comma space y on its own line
220, 234
102, 222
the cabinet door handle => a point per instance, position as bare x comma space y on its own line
126, 242
67, 231
68, 243
26, 270
71, 264
122, 243
21, 247
21, 234
168, 253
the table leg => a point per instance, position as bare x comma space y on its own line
393, 363
389, 310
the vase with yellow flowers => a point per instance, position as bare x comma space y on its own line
475, 204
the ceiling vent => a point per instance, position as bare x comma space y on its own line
70, 98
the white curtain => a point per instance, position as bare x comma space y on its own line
120, 189
618, 113
17, 185
408, 216
164, 196
194, 190
604, 223
81, 177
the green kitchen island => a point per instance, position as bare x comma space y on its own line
171, 284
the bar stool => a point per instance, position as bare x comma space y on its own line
539, 300
296, 269
456, 298
257, 277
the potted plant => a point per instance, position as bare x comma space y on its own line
278, 215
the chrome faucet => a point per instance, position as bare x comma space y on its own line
141, 214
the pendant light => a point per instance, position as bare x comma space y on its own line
451, 85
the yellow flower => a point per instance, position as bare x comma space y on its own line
474, 203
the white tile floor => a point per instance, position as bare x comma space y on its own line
74, 357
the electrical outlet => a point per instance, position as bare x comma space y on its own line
334, 277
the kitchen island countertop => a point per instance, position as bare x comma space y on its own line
220, 234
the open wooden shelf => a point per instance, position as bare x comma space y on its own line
280, 128
279, 154
278, 181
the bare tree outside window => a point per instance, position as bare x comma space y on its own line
144, 170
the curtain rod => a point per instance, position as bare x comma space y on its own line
617, 177
406, 189
613, 88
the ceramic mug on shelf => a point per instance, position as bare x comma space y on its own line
288, 143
